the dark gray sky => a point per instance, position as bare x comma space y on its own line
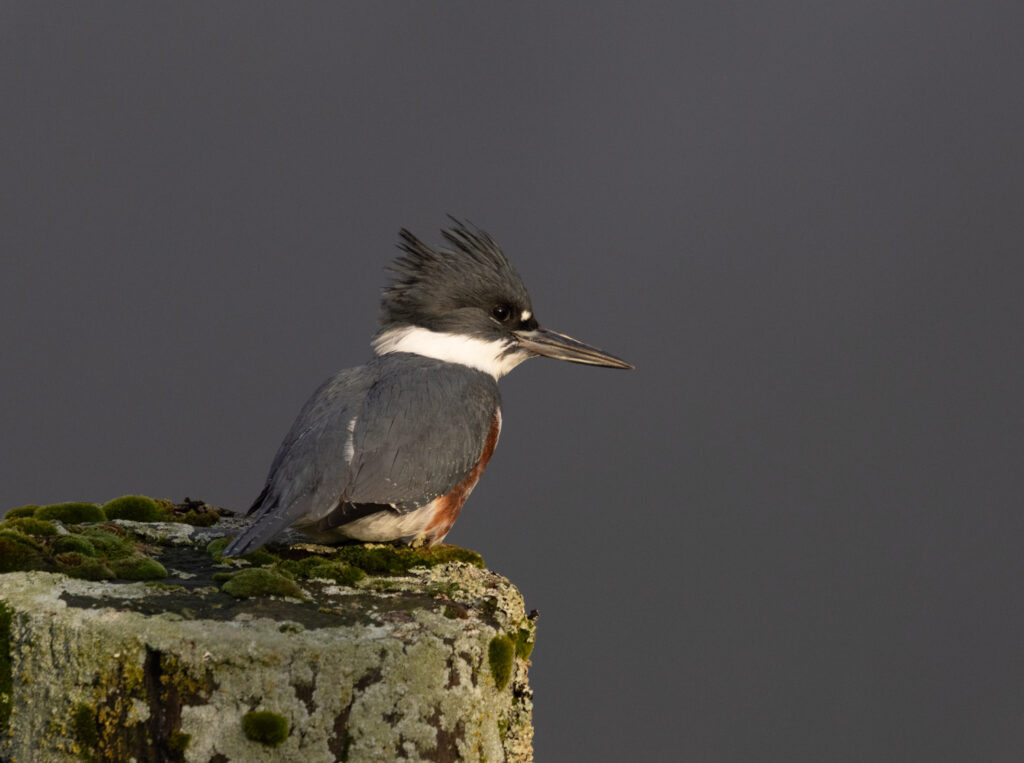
793, 533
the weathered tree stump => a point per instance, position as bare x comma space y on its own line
360, 653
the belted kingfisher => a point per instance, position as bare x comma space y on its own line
391, 450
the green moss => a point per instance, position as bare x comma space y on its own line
398, 560
73, 542
199, 518
376, 560
85, 726
6, 670
265, 727
260, 557
21, 511
260, 582
137, 508
109, 543
72, 513
89, 569
215, 548
17, 537
345, 574
159, 585
524, 643
104, 552
316, 567
178, 740
352, 563
19, 552
139, 568
443, 554
70, 559
30, 526
93, 554
195, 513
499, 656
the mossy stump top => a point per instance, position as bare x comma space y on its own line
122, 639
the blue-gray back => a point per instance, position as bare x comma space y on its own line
420, 431
399, 431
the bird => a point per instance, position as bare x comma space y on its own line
389, 451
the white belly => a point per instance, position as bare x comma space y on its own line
389, 525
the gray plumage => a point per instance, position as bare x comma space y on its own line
435, 288
419, 427
390, 450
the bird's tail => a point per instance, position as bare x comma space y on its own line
268, 520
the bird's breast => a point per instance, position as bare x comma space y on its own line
431, 522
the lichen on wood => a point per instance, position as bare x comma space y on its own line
357, 664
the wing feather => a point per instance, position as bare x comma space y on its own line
391, 435
311, 461
420, 432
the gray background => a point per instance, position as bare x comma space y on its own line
793, 533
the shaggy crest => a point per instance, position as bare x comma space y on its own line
432, 283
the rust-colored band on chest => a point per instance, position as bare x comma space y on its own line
447, 507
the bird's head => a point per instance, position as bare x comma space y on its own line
465, 303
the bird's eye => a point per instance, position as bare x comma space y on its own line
501, 312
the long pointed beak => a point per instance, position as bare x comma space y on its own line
551, 344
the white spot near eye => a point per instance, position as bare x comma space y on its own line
526, 315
